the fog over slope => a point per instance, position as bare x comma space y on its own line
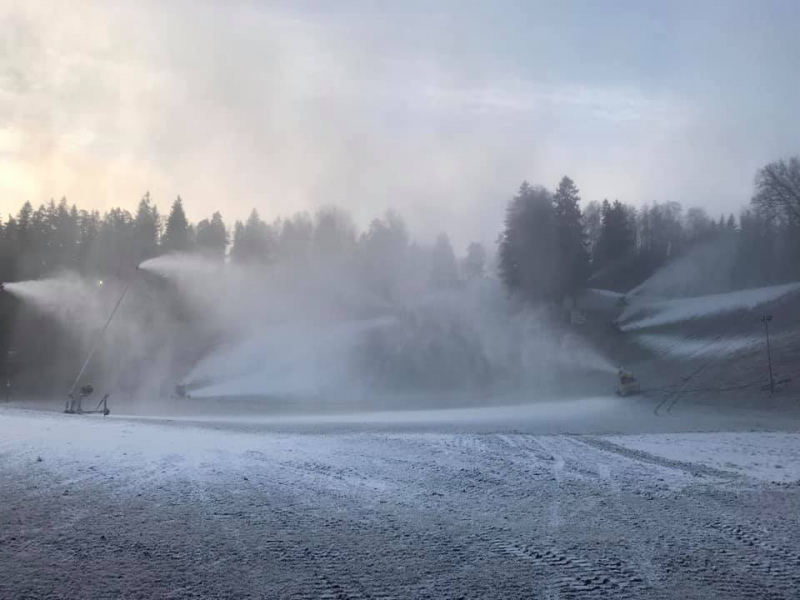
327, 333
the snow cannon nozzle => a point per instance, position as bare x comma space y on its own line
627, 383
2, 287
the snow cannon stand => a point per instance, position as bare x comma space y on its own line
75, 396
75, 402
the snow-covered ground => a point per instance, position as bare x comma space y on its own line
116, 507
685, 347
767, 456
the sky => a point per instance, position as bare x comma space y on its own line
436, 109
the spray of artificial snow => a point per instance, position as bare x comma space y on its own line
324, 332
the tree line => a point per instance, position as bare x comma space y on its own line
551, 248
36, 243
383, 262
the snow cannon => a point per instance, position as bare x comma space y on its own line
627, 384
75, 402
75, 399
2, 287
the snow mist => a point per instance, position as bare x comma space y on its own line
319, 330
643, 314
78, 304
136, 356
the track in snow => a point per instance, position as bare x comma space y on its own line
216, 514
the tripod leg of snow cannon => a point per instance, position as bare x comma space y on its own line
93, 349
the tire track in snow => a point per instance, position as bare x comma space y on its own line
334, 567
572, 575
555, 517
313, 526
695, 469
297, 540
773, 562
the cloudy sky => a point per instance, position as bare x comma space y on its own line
437, 109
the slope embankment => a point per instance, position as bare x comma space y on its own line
707, 349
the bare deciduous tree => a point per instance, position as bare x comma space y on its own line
778, 189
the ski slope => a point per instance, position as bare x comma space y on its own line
108, 508
676, 346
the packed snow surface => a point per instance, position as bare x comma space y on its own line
677, 346
114, 507
771, 457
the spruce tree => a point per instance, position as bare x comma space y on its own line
617, 234
177, 235
212, 237
573, 256
296, 238
474, 263
146, 226
254, 241
528, 246
444, 270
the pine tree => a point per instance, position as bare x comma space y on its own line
573, 254
177, 235
334, 234
617, 234
212, 237
23, 232
238, 253
73, 236
383, 254
528, 246
88, 229
65, 234
40, 258
592, 223
296, 238
147, 225
6, 256
254, 241
474, 263
444, 270
10, 250
112, 252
